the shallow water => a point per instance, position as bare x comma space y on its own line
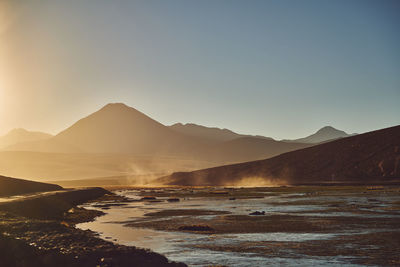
181, 246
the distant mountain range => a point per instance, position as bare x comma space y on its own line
229, 146
372, 157
119, 129
21, 135
327, 133
210, 133
120, 141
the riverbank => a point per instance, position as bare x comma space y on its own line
40, 231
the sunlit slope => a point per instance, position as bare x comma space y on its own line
364, 158
12, 186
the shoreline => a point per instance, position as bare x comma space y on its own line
40, 231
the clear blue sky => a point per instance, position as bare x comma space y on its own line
275, 68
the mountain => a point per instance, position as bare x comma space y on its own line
227, 146
13, 186
21, 135
373, 157
119, 129
210, 133
324, 134
115, 128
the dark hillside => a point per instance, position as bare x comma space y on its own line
373, 157
13, 186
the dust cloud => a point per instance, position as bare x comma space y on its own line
258, 182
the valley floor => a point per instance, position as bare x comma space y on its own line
303, 225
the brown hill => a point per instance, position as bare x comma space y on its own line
366, 158
13, 186
252, 148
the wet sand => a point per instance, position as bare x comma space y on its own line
301, 225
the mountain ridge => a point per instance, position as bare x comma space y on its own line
118, 128
368, 157
325, 134
211, 133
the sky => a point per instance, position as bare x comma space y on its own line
282, 69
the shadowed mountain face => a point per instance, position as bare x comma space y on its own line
21, 135
327, 133
252, 148
13, 186
369, 157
